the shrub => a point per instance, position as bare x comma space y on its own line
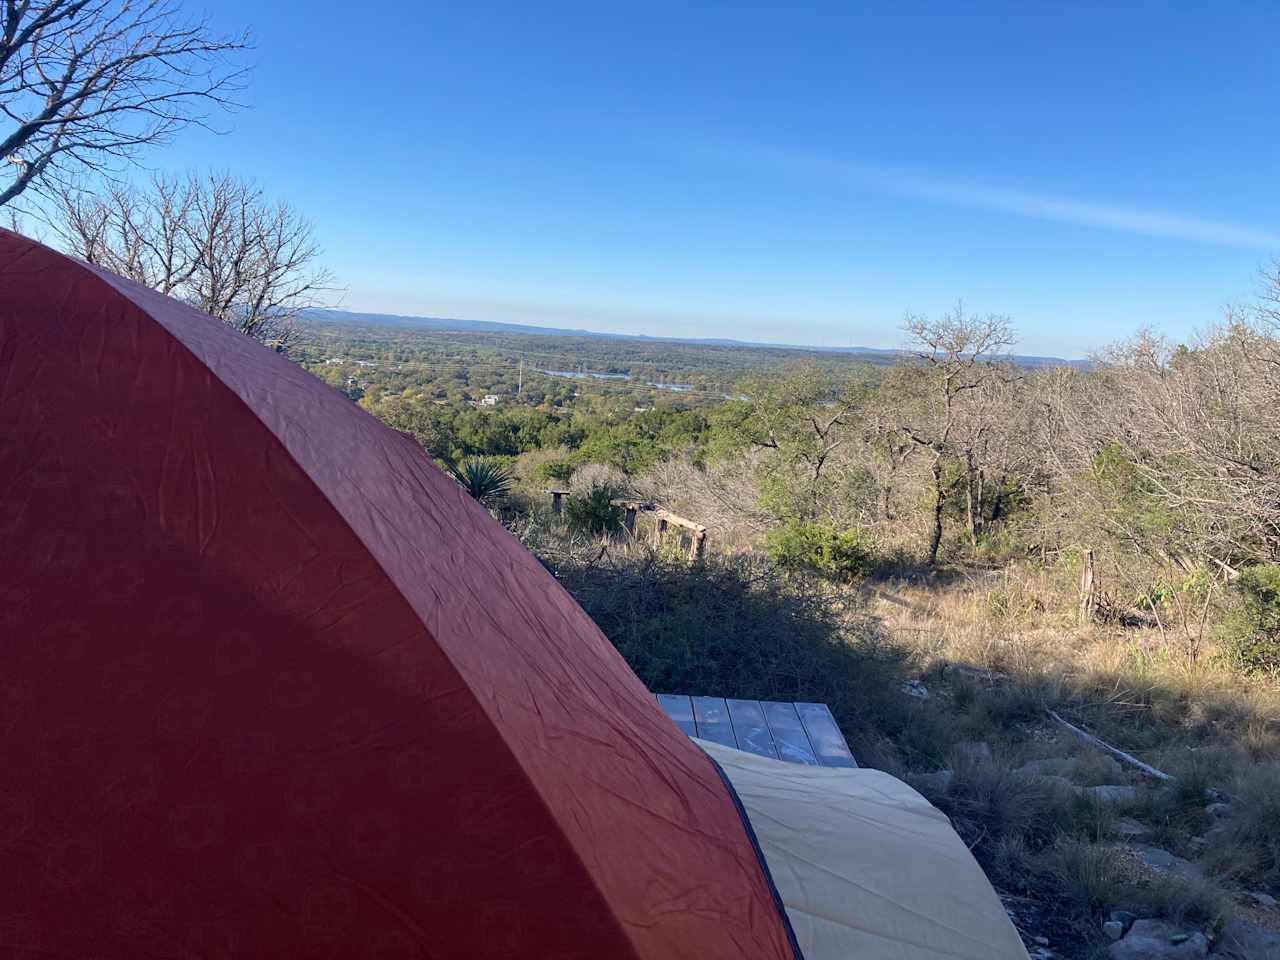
1089, 877
725, 628
820, 548
593, 511
484, 480
1252, 846
553, 471
1253, 629
992, 805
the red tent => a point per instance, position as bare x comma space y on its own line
272, 685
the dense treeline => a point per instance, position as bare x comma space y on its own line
1157, 466
632, 441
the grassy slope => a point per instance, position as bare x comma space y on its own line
993, 652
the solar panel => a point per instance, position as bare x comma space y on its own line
788, 733
750, 729
824, 733
712, 717
795, 732
680, 709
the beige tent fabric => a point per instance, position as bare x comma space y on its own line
867, 868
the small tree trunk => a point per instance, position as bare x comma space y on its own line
1088, 591
997, 503
972, 492
935, 538
697, 544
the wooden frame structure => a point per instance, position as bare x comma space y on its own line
663, 520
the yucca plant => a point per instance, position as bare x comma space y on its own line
485, 480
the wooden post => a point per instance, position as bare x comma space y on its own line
556, 500
696, 544
1088, 592
659, 531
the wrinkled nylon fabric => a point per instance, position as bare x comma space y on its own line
866, 867
272, 685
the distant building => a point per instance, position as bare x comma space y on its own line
336, 360
489, 400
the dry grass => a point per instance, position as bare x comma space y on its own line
1250, 849
1133, 684
996, 650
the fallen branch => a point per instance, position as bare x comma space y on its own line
1114, 751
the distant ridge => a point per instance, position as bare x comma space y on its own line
874, 354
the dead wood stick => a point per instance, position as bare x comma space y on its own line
1114, 751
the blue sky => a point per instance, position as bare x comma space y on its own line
783, 172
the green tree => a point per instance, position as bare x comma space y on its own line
804, 419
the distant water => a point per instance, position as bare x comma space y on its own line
577, 375
586, 375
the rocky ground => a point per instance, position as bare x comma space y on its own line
1246, 927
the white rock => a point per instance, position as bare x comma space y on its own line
1112, 793
914, 688
1157, 940
1166, 862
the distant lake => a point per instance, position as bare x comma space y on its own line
578, 375
586, 375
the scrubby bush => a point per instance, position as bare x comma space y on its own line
990, 803
1252, 845
553, 472
1252, 630
593, 511
726, 628
820, 548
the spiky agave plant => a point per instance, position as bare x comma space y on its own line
485, 480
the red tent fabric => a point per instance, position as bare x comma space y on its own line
272, 685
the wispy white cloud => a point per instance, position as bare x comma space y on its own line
1149, 223
988, 196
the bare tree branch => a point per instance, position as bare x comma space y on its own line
211, 240
85, 84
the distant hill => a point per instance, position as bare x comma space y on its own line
873, 354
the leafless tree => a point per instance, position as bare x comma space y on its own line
212, 240
84, 84
957, 355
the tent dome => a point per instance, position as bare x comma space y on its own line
272, 685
